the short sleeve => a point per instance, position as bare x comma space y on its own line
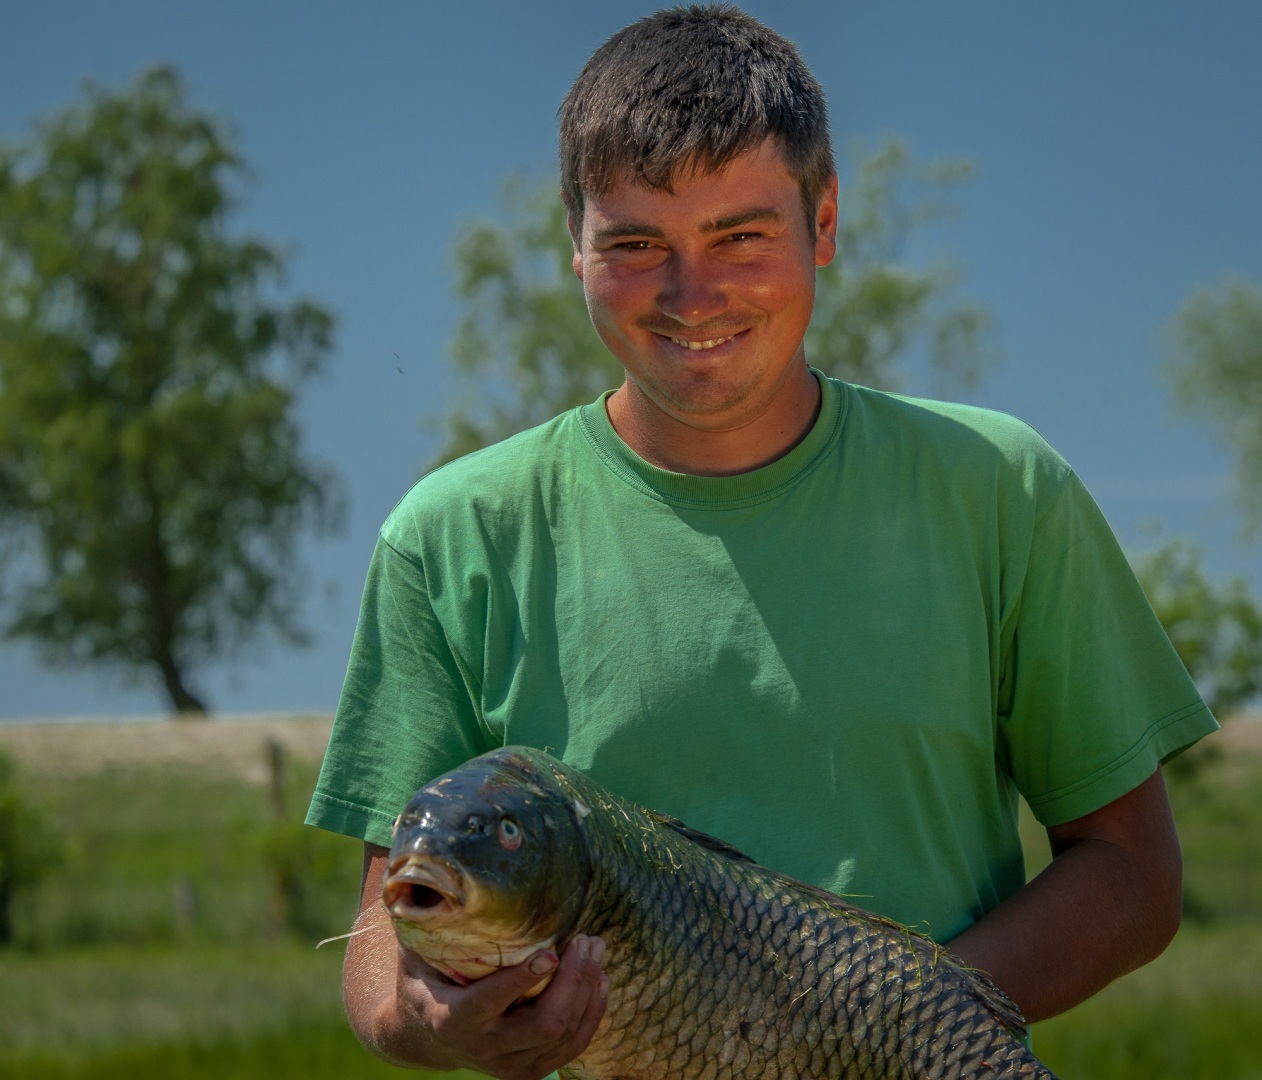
406, 713
1095, 696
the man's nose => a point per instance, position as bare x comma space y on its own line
693, 292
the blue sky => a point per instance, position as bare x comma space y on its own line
1119, 162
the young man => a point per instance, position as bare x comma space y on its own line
840, 629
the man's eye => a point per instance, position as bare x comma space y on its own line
743, 236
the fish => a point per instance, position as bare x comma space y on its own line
717, 966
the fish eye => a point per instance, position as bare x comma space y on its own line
510, 834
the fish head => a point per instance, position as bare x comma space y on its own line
487, 865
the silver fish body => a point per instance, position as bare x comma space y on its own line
718, 967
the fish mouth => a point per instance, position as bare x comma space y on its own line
421, 888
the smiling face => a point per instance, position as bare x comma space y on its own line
704, 294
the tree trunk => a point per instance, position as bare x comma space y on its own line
163, 618
182, 699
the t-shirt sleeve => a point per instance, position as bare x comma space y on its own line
1093, 697
406, 713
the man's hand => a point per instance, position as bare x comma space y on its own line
483, 1026
408, 1013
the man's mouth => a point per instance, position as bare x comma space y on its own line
697, 346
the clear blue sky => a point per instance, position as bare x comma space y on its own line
1119, 150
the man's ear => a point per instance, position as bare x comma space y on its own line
826, 223
577, 241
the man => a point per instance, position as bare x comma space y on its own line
838, 628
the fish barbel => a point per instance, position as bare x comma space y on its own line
718, 967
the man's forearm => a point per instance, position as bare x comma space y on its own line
372, 1004
1075, 928
1109, 902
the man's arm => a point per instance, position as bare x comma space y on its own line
1109, 902
408, 1013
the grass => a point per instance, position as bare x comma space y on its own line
174, 938
1195, 1012
155, 855
1220, 825
119, 995
326, 1052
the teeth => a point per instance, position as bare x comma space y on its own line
696, 346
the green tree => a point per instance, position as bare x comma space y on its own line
1214, 368
151, 475
1217, 631
872, 315
524, 349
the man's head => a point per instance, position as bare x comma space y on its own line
689, 89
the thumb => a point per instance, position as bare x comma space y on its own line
495, 993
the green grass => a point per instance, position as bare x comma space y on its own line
327, 1052
153, 855
1194, 1012
174, 939
1220, 825
90, 999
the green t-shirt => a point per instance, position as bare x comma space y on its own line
847, 663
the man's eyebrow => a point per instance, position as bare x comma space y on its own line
614, 230
744, 217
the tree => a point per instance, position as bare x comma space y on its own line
524, 346
1217, 631
1214, 368
525, 350
151, 475
872, 314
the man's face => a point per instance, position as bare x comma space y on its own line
704, 293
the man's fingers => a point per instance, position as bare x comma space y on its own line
542, 1032
562, 1006
588, 1023
560, 1011
569, 1011
493, 995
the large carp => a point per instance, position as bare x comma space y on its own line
718, 967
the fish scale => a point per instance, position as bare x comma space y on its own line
718, 967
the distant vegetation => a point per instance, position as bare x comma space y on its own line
29, 849
152, 480
1214, 368
171, 941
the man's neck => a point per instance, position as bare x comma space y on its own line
672, 444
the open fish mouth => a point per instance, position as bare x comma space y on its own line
419, 889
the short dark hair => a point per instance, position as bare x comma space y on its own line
691, 88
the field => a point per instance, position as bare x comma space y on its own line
174, 933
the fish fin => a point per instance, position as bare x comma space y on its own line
711, 843
1005, 1009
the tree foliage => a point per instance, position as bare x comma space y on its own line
525, 350
872, 314
1215, 370
1217, 631
524, 347
151, 475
